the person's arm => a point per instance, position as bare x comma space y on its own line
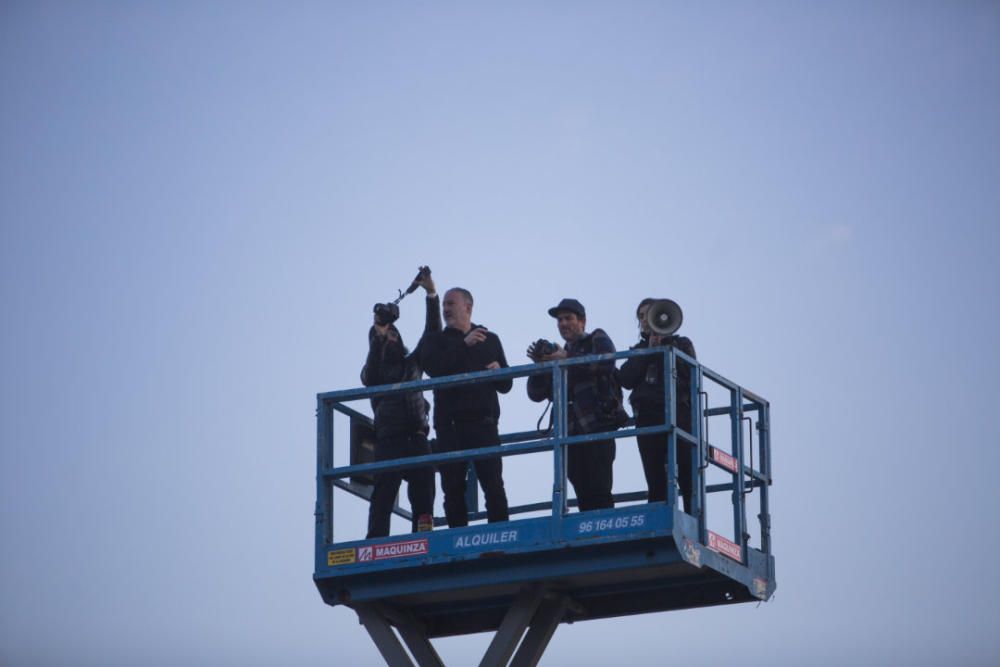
432, 323
502, 386
634, 369
432, 318
602, 343
684, 370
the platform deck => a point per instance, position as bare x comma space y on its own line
629, 560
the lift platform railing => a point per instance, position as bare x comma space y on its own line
745, 477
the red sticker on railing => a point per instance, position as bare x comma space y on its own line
725, 547
725, 460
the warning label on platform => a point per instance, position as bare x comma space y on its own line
340, 557
393, 550
725, 547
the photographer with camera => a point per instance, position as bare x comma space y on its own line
466, 417
644, 376
593, 402
400, 420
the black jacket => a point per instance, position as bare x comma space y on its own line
594, 397
389, 363
644, 376
445, 353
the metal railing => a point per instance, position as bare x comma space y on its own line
745, 478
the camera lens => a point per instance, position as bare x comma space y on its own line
386, 313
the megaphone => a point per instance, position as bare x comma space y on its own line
664, 317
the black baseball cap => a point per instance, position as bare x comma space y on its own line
572, 305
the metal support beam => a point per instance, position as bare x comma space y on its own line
512, 628
534, 609
420, 647
385, 639
543, 626
382, 618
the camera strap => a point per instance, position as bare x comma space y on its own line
538, 425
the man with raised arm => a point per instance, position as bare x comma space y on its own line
466, 417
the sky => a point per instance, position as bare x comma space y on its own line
200, 202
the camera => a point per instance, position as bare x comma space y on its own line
386, 313
541, 348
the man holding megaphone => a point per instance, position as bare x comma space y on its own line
659, 319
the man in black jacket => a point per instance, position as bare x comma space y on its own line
644, 376
466, 417
400, 422
592, 400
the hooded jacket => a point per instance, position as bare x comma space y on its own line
389, 363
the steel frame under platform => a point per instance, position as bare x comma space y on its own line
535, 609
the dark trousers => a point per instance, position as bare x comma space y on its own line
460, 436
589, 468
653, 450
419, 482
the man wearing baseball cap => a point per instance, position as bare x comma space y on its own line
593, 402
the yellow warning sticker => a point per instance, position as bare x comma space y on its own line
340, 557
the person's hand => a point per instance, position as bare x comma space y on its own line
538, 358
493, 365
655, 339
427, 283
560, 353
476, 336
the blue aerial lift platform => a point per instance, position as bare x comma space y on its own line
528, 575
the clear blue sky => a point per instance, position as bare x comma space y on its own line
199, 202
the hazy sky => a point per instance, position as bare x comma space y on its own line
200, 202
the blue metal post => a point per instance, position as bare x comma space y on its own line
739, 506
697, 460
559, 427
670, 409
764, 428
471, 488
324, 490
